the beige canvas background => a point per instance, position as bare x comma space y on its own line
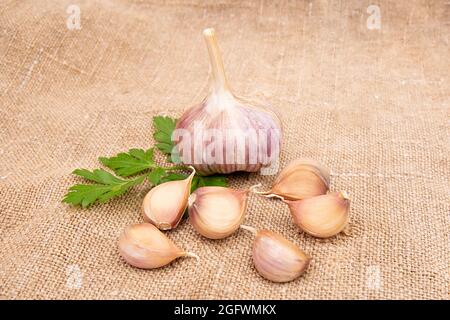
373, 105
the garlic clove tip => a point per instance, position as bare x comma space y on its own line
191, 255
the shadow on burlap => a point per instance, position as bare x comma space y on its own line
373, 105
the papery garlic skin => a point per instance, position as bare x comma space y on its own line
217, 212
224, 134
164, 205
323, 216
301, 179
144, 246
276, 258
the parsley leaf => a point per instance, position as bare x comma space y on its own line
156, 175
106, 187
164, 127
128, 164
217, 181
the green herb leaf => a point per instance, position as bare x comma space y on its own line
173, 177
156, 175
106, 187
164, 127
128, 164
217, 181
164, 147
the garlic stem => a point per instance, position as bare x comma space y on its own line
191, 255
266, 194
253, 189
344, 195
218, 81
193, 171
263, 193
248, 228
347, 230
191, 175
272, 195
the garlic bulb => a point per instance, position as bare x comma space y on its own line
323, 216
301, 179
217, 212
276, 258
224, 134
165, 204
144, 246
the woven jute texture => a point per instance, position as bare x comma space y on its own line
371, 103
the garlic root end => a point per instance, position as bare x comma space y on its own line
266, 194
347, 230
248, 228
272, 195
219, 81
164, 226
254, 187
345, 195
193, 171
191, 255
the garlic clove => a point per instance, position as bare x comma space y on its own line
144, 246
323, 216
276, 258
313, 165
165, 204
224, 134
217, 212
301, 179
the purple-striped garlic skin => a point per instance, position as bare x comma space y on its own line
227, 139
276, 258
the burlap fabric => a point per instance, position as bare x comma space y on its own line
371, 104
